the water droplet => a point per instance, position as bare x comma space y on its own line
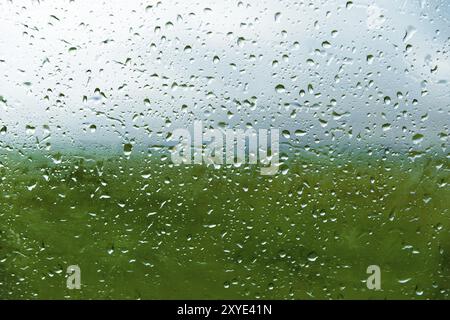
127, 149
280, 88
312, 256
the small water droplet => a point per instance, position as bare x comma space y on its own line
280, 88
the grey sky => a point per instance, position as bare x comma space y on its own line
362, 72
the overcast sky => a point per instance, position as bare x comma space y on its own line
80, 73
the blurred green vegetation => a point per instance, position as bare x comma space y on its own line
146, 229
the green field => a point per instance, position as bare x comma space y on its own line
141, 228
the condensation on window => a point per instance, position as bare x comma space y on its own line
224, 149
